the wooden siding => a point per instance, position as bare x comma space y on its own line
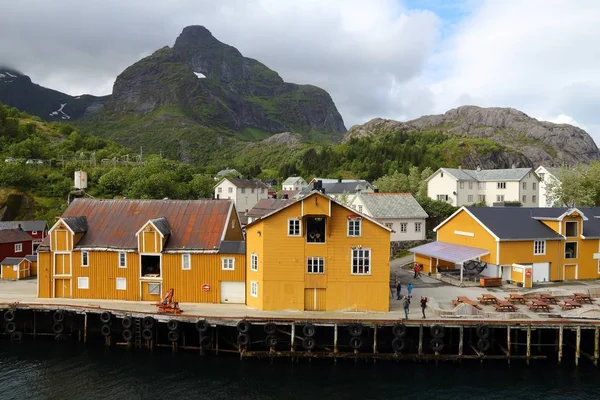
463, 222
62, 238
149, 240
255, 245
44, 275
22, 271
315, 300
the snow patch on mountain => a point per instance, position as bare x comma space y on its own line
60, 111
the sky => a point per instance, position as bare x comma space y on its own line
396, 59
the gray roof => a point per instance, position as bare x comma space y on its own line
28, 226
245, 183
32, 257
340, 187
228, 171
292, 180
12, 261
266, 206
232, 247
392, 205
77, 224
508, 174
162, 225
455, 253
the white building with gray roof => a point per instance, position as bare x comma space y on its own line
461, 187
547, 175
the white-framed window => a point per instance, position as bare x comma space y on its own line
499, 197
359, 208
461, 184
481, 198
34, 232
121, 283
85, 259
229, 190
524, 185
122, 259
417, 226
534, 198
403, 227
571, 250
243, 190
470, 185
253, 288
219, 190
470, 198
18, 247
442, 197
501, 185
294, 227
524, 198
254, 262
154, 288
186, 261
233, 224
539, 247
389, 225
571, 228
83, 282
354, 227
228, 264
534, 185
361, 262
481, 185
315, 265
441, 174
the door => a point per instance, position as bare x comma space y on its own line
570, 272
541, 272
233, 292
62, 264
506, 273
62, 288
314, 300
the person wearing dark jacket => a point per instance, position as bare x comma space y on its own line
423, 305
398, 288
405, 303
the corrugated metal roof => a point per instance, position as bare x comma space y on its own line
29, 226
265, 206
12, 261
13, 236
194, 224
231, 247
162, 225
246, 184
77, 224
392, 205
454, 253
508, 174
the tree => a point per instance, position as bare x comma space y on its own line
201, 186
575, 186
114, 182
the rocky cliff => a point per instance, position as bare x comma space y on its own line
530, 142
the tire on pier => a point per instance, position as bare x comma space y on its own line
437, 331
148, 322
270, 328
483, 332
308, 343
436, 344
271, 340
355, 329
202, 326
16, 336
147, 334
173, 336
127, 323
58, 328
206, 342
9, 316
173, 324
398, 344
58, 316
127, 335
309, 330
243, 339
105, 330
399, 330
483, 345
356, 342
105, 317
10, 327
243, 326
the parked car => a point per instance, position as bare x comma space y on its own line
34, 161
10, 160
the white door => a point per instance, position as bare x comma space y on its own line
541, 272
233, 292
506, 272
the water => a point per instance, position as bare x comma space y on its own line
43, 370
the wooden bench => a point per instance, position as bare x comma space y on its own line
569, 305
490, 282
516, 298
466, 300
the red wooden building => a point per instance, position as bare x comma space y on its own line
38, 230
15, 243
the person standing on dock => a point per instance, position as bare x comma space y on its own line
405, 305
398, 288
409, 288
423, 305
416, 270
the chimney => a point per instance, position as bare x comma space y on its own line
285, 196
339, 180
460, 167
376, 190
513, 166
478, 168
20, 228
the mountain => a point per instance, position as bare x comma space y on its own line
17, 90
527, 141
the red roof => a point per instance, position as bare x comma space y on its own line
194, 224
14, 235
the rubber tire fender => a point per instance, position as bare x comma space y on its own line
205, 342
105, 317
127, 323
173, 324
270, 328
437, 331
309, 330
16, 336
398, 344
173, 336
309, 343
105, 330
483, 345
127, 335
147, 334
10, 327
436, 344
9, 316
399, 330
243, 326
483, 331
148, 322
271, 340
202, 326
243, 339
58, 327
356, 342
355, 329
58, 316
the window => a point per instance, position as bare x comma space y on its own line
534, 185
361, 261
186, 263
254, 262
230, 190
18, 247
470, 198
84, 259
524, 199
539, 247
534, 199
154, 288
524, 185
501, 185
442, 197
389, 225
571, 250
122, 259
541, 178
470, 185
315, 265
441, 174
481, 185
354, 227
243, 190
294, 227
359, 208
151, 266
500, 197
417, 226
254, 289
34, 232
262, 191
481, 198
83, 282
461, 184
121, 284
315, 230
403, 227
228, 264
252, 190
220, 190
571, 230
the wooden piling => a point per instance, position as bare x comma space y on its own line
508, 333
420, 340
528, 344
460, 340
335, 339
596, 345
375, 339
85, 321
560, 344
577, 345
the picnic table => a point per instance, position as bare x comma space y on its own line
582, 298
569, 305
505, 306
466, 300
488, 299
516, 298
538, 305
547, 298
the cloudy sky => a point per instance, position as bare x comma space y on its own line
397, 59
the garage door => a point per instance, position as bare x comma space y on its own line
541, 272
233, 292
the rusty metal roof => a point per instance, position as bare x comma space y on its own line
194, 224
13, 236
77, 224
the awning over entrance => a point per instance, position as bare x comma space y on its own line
455, 253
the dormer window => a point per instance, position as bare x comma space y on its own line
571, 228
315, 230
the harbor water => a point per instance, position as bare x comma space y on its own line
43, 370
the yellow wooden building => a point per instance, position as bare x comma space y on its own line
521, 245
15, 268
138, 249
317, 254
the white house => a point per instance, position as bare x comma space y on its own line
398, 211
461, 187
294, 183
227, 172
244, 193
547, 175
337, 188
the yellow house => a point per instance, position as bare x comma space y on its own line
317, 254
138, 249
15, 268
522, 245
